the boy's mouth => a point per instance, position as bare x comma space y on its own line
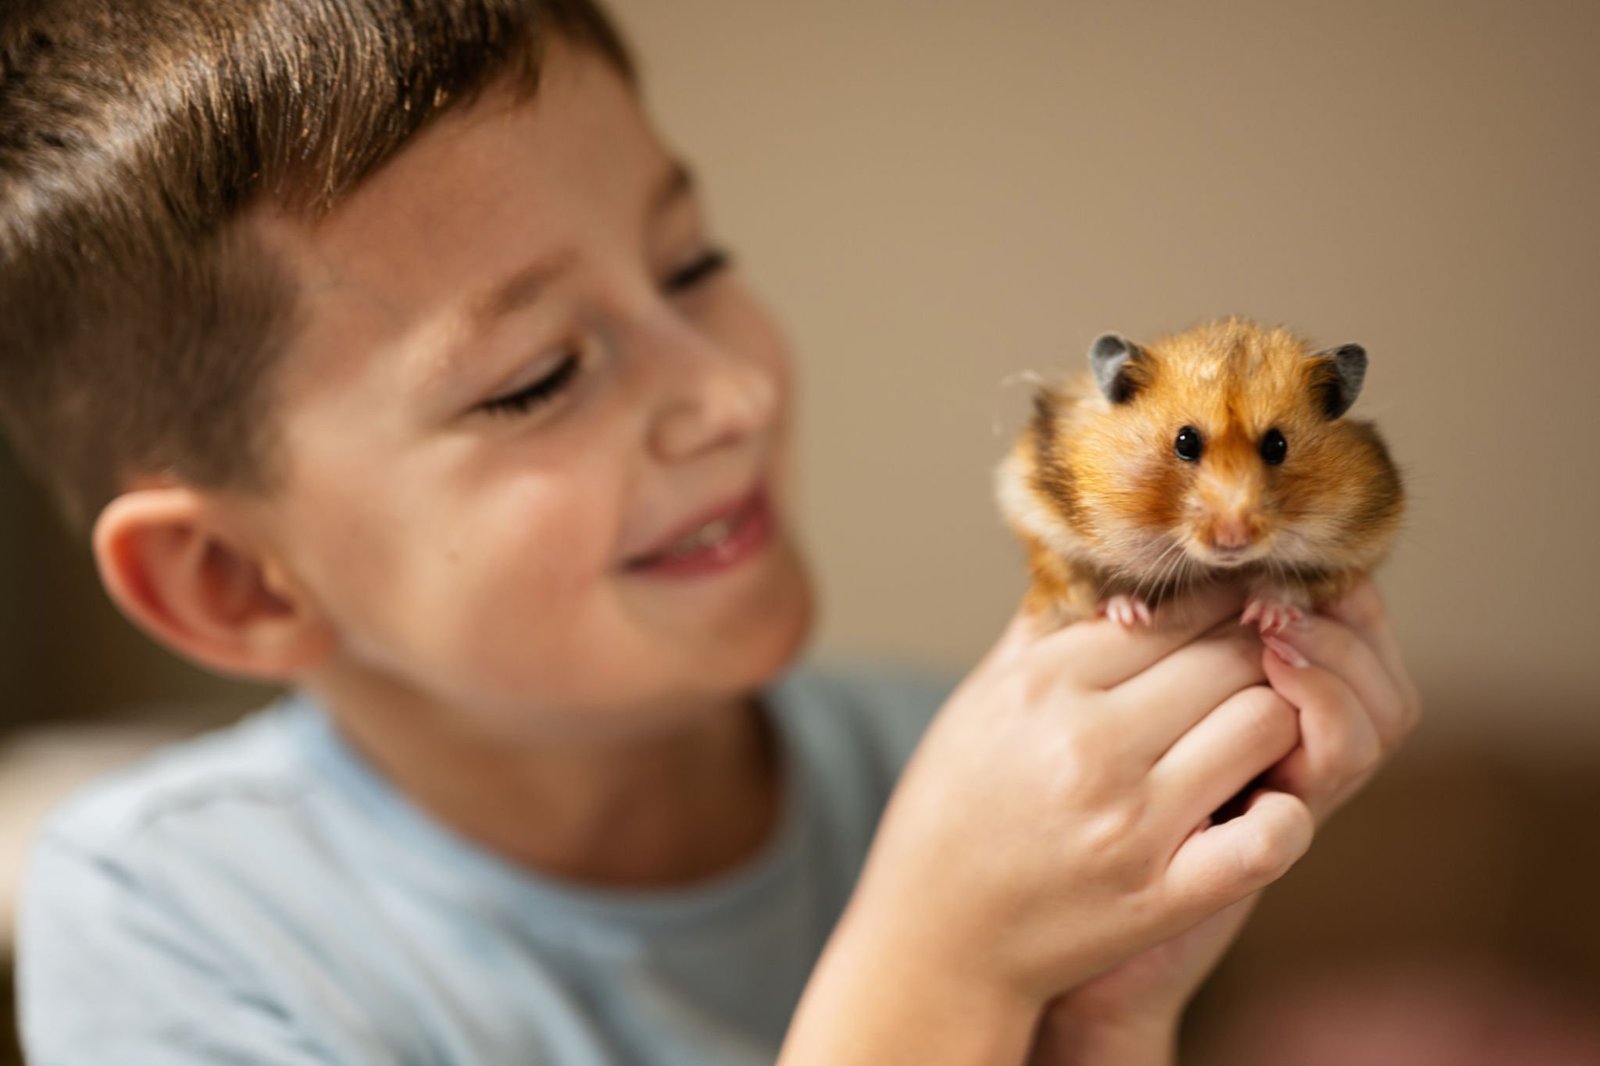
713, 541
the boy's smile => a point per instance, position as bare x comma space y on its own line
535, 430
720, 540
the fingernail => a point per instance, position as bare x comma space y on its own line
1286, 651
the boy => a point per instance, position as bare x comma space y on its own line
386, 350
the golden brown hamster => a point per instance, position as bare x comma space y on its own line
1222, 451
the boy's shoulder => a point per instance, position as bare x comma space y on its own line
251, 765
263, 867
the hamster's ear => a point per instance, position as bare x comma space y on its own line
1337, 376
1117, 363
172, 565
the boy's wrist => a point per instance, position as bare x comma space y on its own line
875, 995
1067, 1040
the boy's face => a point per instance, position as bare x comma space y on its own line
536, 439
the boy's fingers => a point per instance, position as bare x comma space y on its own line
1102, 653
1340, 650
1181, 689
1244, 737
1224, 863
1340, 745
1363, 610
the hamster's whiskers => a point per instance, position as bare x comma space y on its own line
1157, 575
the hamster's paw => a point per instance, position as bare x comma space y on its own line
1127, 611
1272, 612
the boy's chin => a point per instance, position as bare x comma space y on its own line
786, 644
758, 653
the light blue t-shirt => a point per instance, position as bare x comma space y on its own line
261, 896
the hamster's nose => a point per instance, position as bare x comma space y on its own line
1230, 533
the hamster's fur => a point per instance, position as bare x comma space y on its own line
1269, 482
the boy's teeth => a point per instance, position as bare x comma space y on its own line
709, 533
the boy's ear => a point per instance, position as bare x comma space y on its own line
169, 563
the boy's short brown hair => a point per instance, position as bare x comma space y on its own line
139, 322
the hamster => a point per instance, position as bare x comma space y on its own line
1220, 452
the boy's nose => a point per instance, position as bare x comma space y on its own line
715, 397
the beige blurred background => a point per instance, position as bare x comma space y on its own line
937, 195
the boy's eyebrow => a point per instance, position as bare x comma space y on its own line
515, 292
523, 287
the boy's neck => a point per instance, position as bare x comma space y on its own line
667, 809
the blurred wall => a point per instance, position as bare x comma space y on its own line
939, 194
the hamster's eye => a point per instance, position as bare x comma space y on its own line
1188, 445
1273, 447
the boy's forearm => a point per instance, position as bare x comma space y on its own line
870, 1003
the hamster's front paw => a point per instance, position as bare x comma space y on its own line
1127, 611
1273, 610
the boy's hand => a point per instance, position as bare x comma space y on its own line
1051, 825
1356, 703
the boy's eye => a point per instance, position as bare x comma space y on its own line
525, 399
713, 262
541, 391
